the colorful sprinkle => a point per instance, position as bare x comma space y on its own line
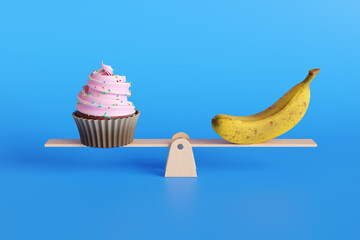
93, 102
104, 81
109, 90
103, 87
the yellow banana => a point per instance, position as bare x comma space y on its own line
270, 123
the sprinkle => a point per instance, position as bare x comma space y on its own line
109, 117
103, 87
104, 81
93, 102
117, 95
121, 101
84, 102
99, 106
89, 95
114, 104
104, 115
83, 95
109, 90
109, 107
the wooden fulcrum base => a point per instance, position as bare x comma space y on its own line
180, 162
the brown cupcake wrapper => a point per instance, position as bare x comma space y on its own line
107, 133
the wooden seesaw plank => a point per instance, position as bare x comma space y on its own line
135, 143
181, 162
193, 142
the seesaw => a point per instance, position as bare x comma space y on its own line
180, 161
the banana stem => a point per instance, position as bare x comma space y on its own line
311, 75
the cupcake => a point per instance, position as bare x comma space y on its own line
105, 118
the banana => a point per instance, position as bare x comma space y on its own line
270, 123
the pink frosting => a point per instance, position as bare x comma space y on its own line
105, 94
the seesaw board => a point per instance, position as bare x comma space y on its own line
181, 162
193, 143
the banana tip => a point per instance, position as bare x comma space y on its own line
314, 71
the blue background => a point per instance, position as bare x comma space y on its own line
187, 61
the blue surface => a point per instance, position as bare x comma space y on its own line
187, 61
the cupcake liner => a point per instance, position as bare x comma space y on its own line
106, 133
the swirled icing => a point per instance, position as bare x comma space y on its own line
105, 94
